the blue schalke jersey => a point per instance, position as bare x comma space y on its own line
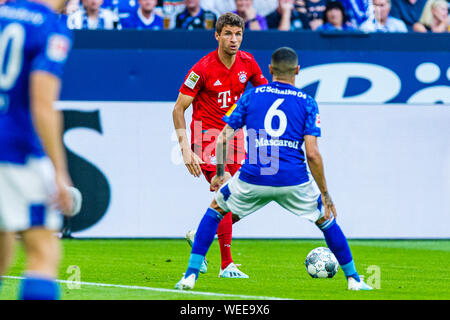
32, 38
277, 117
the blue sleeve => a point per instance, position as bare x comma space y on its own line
53, 49
236, 116
312, 122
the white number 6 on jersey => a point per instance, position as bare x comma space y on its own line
275, 112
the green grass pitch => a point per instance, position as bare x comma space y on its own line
149, 268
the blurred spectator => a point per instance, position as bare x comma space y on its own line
144, 17
194, 17
335, 18
122, 8
360, 14
218, 6
384, 22
300, 7
71, 6
169, 9
91, 16
253, 21
286, 18
314, 9
434, 17
264, 7
409, 11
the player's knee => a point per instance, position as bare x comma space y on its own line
5, 261
43, 261
42, 252
214, 205
321, 221
235, 218
44, 255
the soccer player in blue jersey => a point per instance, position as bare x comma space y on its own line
279, 119
34, 180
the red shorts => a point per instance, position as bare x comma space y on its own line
209, 170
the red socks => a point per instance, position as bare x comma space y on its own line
224, 233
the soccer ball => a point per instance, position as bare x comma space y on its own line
321, 263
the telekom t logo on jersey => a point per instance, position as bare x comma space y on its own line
224, 98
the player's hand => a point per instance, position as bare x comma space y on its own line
217, 182
328, 205
192, 162
63, 199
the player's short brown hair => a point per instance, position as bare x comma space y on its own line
229, 19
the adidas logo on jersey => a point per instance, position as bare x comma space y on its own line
217, 83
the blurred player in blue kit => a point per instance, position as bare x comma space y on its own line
279, 118
34, 180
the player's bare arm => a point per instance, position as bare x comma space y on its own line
315, 163
222, 176
191, 160
44, 90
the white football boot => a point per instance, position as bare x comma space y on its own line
186, 283
190, 236
231, 271
357, 286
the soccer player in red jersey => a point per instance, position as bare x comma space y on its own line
213, 85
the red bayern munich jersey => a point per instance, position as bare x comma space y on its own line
215, 89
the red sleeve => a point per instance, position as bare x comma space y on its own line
257, 78
193, 82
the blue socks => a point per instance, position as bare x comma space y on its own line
338, 244
207, 229
203, 239
35, 287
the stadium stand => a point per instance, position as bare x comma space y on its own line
314, 9
384, 22
92, 16
423, 16
286, 18
434, 17
253, 20
335, 18
195, 17
143, 17
409, 11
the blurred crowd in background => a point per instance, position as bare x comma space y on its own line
285, 15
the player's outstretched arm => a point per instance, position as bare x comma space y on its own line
44, 90
315, 163
191, 160
221, 151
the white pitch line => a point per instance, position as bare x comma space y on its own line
211, 294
